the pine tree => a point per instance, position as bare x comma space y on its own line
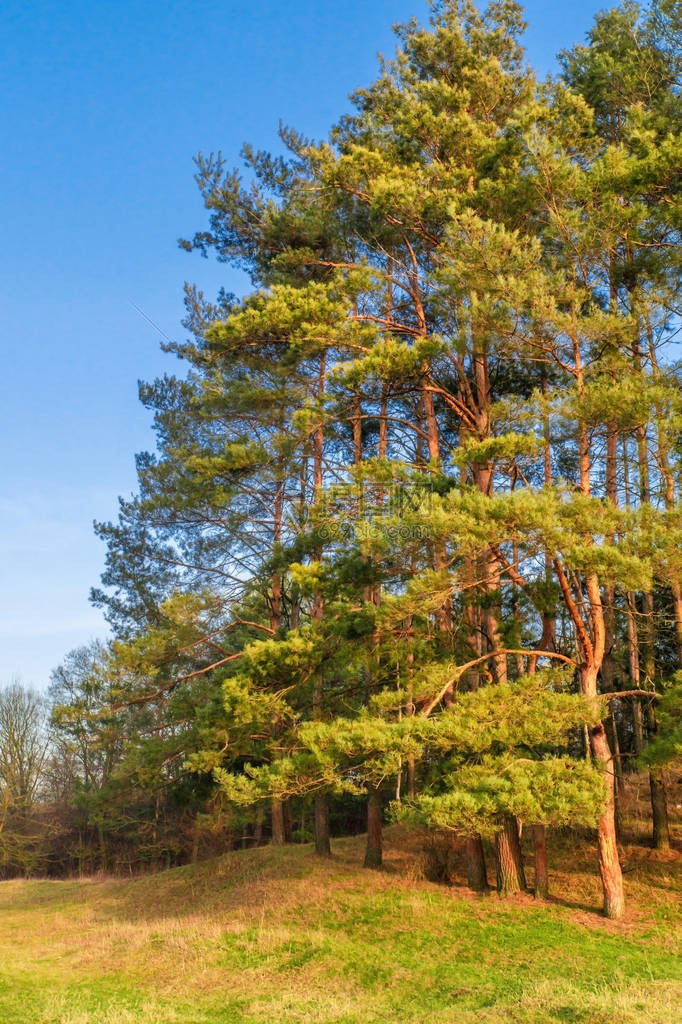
389, 499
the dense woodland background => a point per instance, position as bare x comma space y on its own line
409, 545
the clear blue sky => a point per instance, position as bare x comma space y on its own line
104, 106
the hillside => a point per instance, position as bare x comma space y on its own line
276, 935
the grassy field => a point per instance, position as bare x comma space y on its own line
275, 935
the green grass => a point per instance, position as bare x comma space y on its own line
276, 936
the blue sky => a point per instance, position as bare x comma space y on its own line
105, 105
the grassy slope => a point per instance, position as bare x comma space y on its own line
275, 935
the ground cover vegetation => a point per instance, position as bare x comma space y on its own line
278, 934
409, 546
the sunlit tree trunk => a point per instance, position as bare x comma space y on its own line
592, 652
511, 877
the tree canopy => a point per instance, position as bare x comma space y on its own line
411, 526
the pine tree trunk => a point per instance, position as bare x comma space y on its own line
592, 649
637, 727
614, 742
541, 871
322, 843
659, 801
278, 829
374, 850
663, 460
477, 876
659, 807
278, 832
609, 863
608, 667
321, 804
619, 783
510, 874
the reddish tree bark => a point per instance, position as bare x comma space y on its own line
609, 863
